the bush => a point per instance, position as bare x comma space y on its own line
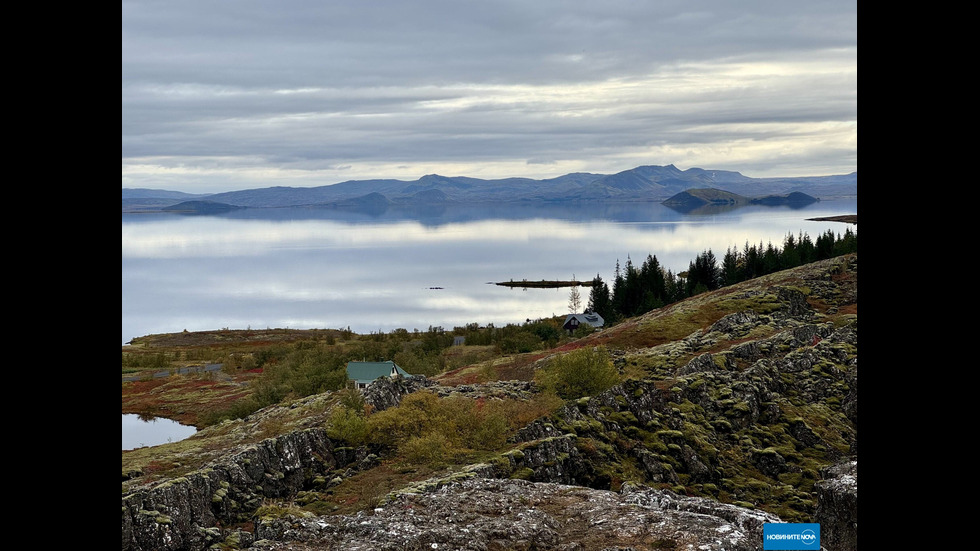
432, 449
347, 425
582, 372
428, 430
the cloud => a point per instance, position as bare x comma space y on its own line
232, 95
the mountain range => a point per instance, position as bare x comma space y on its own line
645, 183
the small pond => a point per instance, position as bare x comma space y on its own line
138, 431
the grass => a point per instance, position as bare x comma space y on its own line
184, 398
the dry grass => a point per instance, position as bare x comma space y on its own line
184, 398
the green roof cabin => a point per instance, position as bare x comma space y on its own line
364, 373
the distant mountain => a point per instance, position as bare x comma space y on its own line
644, 183
143, 193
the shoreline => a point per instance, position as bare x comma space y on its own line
848, 218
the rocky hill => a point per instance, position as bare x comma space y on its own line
735, 408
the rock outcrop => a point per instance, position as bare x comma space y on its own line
837, 510
386, 393
482, 514
182, 513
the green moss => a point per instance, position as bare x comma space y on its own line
522, 474
156, 516
792, 479
623, 418
277, 511
722, 425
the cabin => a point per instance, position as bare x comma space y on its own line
573, 321
364, 373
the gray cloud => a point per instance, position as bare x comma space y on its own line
237, 94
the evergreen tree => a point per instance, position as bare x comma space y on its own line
619, 292
633, 290
752, 263
675, 288
847, 244
825, 245
652, 282
790, 256
808, 252
730, 268
703, 273
770, 260
599, 300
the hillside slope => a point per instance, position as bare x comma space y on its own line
734, 407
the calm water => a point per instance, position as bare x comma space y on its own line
371, 271
138, 432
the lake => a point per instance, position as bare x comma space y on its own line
412, 269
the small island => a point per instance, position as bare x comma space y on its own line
544, 284
696, 198
848, 218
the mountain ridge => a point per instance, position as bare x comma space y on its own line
643, 183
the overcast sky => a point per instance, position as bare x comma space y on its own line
239, 94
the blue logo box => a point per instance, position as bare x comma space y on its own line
790, 536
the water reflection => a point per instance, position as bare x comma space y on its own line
139, 431
324, 268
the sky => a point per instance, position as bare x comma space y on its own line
222, 95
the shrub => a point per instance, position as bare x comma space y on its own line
426, 429
349, 426
582, 372
432, 449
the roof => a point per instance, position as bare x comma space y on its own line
365, 372
591, 318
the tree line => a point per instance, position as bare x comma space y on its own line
637, 290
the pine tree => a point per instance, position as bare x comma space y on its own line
729, 267
599, 299
790, 256
619, 293
703, 273
652, 282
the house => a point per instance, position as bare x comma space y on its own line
573, 321
364, 373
